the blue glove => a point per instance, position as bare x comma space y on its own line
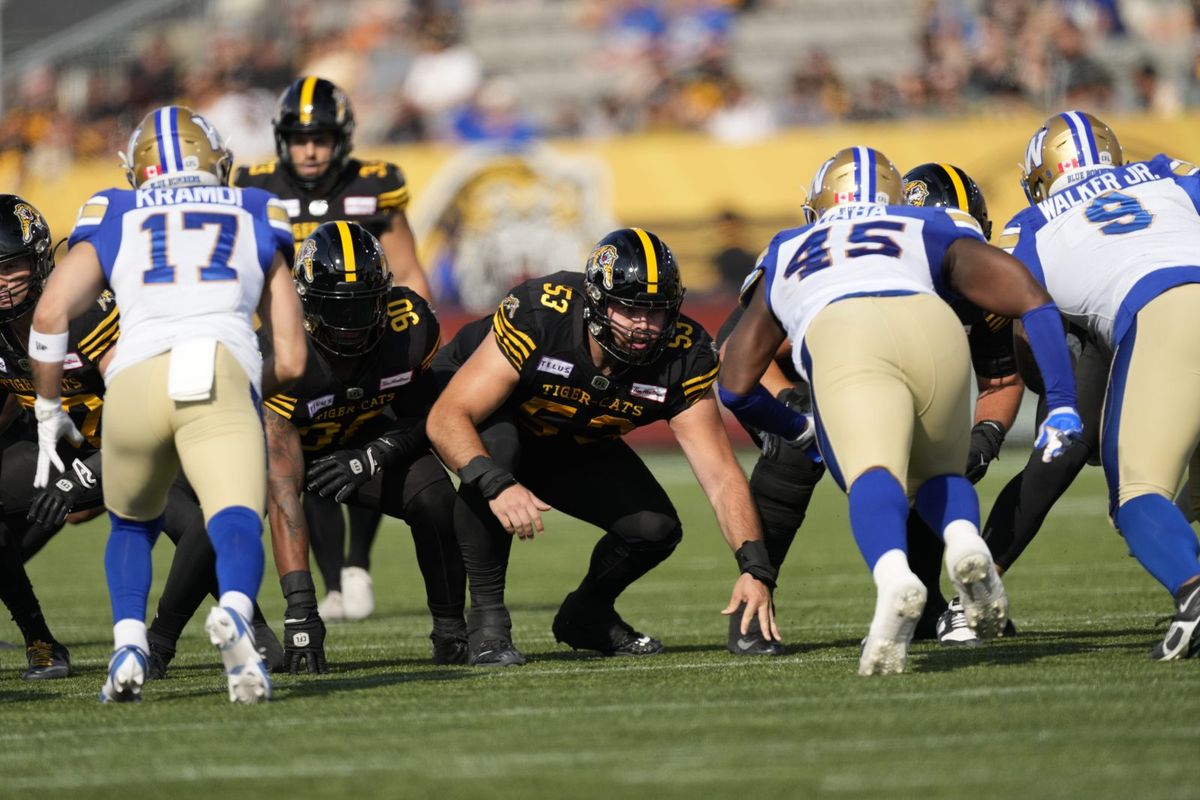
1062, 426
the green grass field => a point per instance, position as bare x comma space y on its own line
1072, 707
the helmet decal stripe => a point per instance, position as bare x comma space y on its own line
1093, 152
347, 252
1078, 136
860, 188
651, 261
960, 190
870, 195
306, 99
162, 136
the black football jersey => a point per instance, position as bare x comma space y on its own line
990, 338
540, 329
367, 192
89, 337
391, 382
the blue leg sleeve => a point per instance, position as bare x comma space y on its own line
236, 534
946, 498
878, 514
127, 565
1160, 539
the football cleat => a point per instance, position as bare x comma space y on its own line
490, 639
752, 643
126, 674
234, 638
267, 643
898, 607
1183, 635
358, 594
332, 608
160, 660
47, 661
978, 586
952, 627
449, 639
600, 629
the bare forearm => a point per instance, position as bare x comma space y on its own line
735, 512
47, 378
289, 529
1000, 400
453, 434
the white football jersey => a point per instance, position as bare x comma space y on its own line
185, 263
1110, 244
856, 249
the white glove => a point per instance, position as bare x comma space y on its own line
53, 424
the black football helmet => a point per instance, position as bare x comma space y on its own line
947, 186
343, 279
23, 234
310, 105
633, 268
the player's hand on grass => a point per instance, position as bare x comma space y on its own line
304, 643
519, 511
757, 597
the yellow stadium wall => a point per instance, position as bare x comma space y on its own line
686, 178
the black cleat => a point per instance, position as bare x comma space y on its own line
600, 629
47, 661
450, 641
752, 643
267, 644
160, 659
490, 639
1183, 635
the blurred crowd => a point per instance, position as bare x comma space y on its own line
665, 65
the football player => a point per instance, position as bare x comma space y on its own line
784, 476
856, 291
189, 259
32, 516
318, 180
1114, 243
538, 398
353, 430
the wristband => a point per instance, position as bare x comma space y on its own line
487, 476
48, 347
752, 558
299, 592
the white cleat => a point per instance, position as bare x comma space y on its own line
234, 638
885, 650
358, 593
332, 606
126, 674
984, 602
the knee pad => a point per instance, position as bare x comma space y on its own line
648, 530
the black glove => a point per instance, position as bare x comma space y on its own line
51, 505
303, 628
776, 448
304, 642
986, 438
341, 474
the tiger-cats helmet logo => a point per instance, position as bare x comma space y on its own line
305, 260
916, 193
27, 217
604, 258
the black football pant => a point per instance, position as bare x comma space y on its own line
327, 536
1023, 503
420, 493
603, 483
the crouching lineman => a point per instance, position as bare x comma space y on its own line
541, 394
353, 429
1115, 245
856, 291
189, 260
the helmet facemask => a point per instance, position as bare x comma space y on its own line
346, 323
632, 344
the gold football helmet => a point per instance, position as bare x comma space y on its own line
1070, 143
175, 139
854, 175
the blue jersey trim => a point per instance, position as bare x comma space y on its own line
823, 443
1148, 288
105, 236
268, 238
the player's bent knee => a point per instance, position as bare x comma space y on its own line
650, 530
